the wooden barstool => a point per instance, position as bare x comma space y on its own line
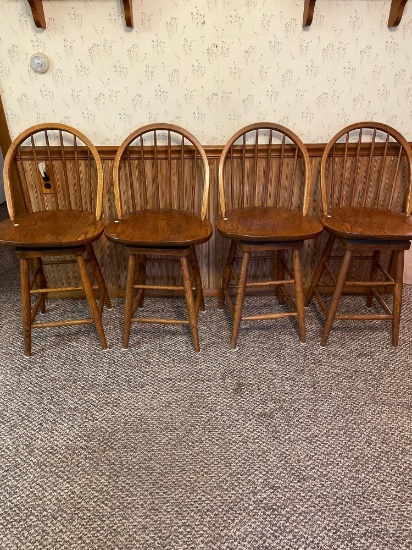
264, 187
61, 180
366, 199
161, 184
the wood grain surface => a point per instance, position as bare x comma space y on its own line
269, 224
151, 227
368, 223
51, 229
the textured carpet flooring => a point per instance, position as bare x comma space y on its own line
272, 446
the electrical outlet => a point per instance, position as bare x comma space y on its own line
47, 184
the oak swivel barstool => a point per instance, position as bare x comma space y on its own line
264, 189
61, 180
161, 185
366, 199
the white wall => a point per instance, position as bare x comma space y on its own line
209, 65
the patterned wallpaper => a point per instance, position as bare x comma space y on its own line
209, 65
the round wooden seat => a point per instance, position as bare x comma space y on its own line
268, 224
368, 223
166, 228
51, 229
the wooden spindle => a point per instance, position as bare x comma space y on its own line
232, 189
89, 178
77, 171
193, 180
280, 171
293, 186
342, 180
25, 188
39, 178
145, 186
243, 190
366, 184
256, 164
395, 176
357, 167
66, 178
332, 191
268, 167
379, 186
169, 160
132, 191
182, 155
156, 170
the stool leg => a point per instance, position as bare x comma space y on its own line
373, 275
319, 270
99, 275
190, 304
226, 275
240, 298
129, 300
336, 296
41, 283
397, 296
280, 275
300, 301
141, 277
199, 287
94, 308
25, 304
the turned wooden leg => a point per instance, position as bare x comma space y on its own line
280, 275
319, 270
129, 299
94, 308
200, 300
226, 275
397, 296
373, 275
41, 283
336, 296
190, 303
141, 277
240, 298
99, 275
300, 302
26, 304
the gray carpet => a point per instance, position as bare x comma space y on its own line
272, 446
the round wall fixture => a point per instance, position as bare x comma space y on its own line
39, 63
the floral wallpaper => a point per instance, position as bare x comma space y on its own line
209, 65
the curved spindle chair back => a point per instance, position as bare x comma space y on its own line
263, 164
161, 185
367, 165
161, 167
265, 183
61, 179
366, 182
59, 169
